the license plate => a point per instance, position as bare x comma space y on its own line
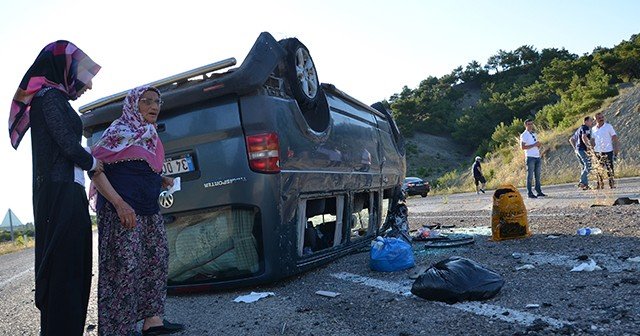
178, 165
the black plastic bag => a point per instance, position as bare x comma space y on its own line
457, 279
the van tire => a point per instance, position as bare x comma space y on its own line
301, 75
301, 82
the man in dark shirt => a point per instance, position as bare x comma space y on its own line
478, 177
581, 143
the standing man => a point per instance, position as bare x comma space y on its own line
581, 143
531, 146
605, 145
478, 177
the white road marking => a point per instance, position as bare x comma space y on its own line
489, 215
5, 282
483, 309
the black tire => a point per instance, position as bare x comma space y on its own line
424, 195
300, 74
301, 81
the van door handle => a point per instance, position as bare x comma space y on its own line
161, 127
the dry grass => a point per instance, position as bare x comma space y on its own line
559, 165
19, 244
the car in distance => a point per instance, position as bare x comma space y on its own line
416, 186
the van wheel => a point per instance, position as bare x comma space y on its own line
300, 73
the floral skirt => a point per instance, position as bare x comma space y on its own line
132, 271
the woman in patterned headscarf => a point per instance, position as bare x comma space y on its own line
60, 73
132, 240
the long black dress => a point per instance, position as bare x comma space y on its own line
61, 215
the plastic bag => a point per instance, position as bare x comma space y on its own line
390, 255
457, 279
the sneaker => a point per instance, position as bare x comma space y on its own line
541, 194
532, 196
483, 190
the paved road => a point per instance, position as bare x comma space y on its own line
559, 196
372, 303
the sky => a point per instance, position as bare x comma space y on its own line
369, 49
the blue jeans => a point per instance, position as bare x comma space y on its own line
585, 161
533, 170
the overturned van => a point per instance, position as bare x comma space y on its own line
279, 172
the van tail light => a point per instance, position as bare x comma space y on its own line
264, 152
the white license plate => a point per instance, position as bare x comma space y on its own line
173, 166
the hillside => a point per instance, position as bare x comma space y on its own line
430, 156
623, 112
559, 163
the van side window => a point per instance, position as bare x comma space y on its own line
387, 195
319, 224
362, 214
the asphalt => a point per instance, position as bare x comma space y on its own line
545, 298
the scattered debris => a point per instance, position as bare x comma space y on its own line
253, 297
587, 231
553, 237
424, 233
635, 259
532, 305
449, 240
625, 201
418, 271
587, 267
525, 267
438, 226
327, 293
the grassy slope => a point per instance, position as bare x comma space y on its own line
559, 163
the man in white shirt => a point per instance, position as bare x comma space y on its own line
531, 146
605, 145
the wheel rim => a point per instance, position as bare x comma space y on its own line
306, 73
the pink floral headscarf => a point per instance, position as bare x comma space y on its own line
60, 65
131, 137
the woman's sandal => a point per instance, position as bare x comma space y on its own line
165, 329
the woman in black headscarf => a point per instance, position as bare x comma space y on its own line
60, 73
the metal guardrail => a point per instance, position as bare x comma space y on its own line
172, 79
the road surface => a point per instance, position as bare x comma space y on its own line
548, 299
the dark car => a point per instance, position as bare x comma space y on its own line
416, 186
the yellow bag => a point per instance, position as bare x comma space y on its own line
509, 216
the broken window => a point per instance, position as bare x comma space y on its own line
387, 196
223, 243
319, 224
363, 214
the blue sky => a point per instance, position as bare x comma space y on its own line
369, 49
